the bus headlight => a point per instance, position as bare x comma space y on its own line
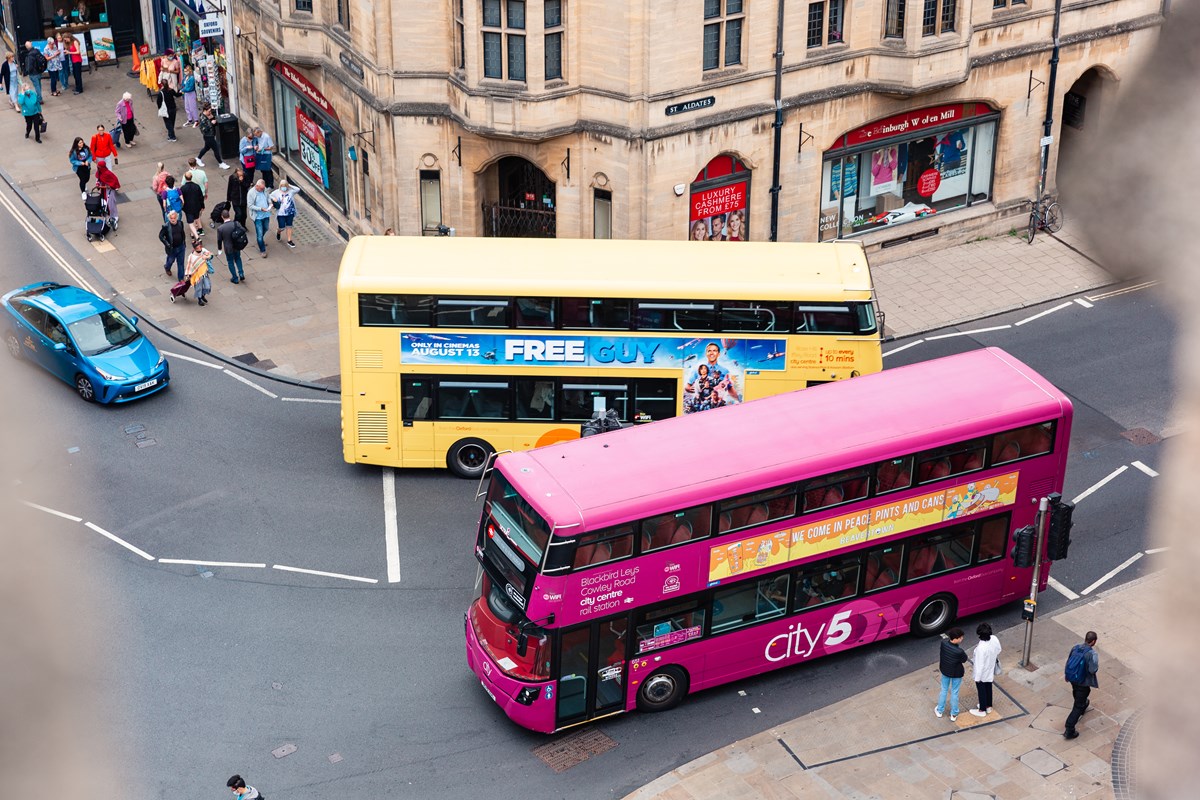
527, 695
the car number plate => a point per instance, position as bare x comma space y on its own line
146, 385
489, 691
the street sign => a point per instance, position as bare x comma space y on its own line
211, 26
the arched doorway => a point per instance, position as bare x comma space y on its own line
1084, 110
518, 200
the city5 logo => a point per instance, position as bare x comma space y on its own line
801, 641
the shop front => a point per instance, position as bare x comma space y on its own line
719, 208
103, 28
308, 132
195, 30
908, 167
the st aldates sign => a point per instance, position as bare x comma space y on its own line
302, 85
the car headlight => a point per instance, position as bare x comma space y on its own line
161, 359
105, 375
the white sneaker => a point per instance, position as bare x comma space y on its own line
199, 163
83, 195
223, 165
939, 713
953, 717
978, 713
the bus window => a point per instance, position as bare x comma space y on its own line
534, 312
472, 400
671, 315
824, 583
664, 626
603, 546
941, 552
956, 459
741, 315
748, 603
600, 314
581, 400
756, 509
831, 490
893, 475
825, 319
466, 312
654, 398
395, 309
883, 568
867, 321
993, 537
418, 397
1031, 440
674, 528
535, 399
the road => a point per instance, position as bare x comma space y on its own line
209, 667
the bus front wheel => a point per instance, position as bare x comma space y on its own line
663, 690
934, 615
468, 457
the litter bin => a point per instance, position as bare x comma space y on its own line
228, 135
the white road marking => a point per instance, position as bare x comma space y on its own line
967, 333
1096, 486
1157, 550
324, 574
1135, 288
391, 534
193, 360
1082, 302
120, 541
1145, 469
251, 384
756, 710
52, 511
1109, 575
1058, 307
211, 563
903, 347
309, 400
1064, 591
45, 245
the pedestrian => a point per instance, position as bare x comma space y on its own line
35, 65
264, 149
54, 54
284, 200
986, 665
259, 203
64, 69
951, 660
190, 106
193, 204
208, 129
106, 179
75, 56
198, 175
169, 70
104, 149
167, 109
232, 246
172, 196
235, 194
173, 235
1080, 671
10, 76
248, 153
198, 270
158, 185
81, 162
31, 109
390, 232
243, 792
125, 117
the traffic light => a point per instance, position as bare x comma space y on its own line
1058, 537
1023, 544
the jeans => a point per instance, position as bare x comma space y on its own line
234, 260
36, 80
260, 230
211, 143
64, 73
53, 81
169, 124
268, 176
1080, 694
952, 685
984, 688
176, 254
84, 173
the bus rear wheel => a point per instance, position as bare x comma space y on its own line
663, 690
467, 457
934, 615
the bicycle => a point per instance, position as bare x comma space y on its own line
1046, 216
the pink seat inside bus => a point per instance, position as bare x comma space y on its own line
932, 470
883, 569
893, 476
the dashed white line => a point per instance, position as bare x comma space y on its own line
1082, 302
324, 574
52, 511
1096, 486
903, 347
1109, 575
1064, 591
1157, 550
1145, 469
120, 541
193, 360
211, 563
1058, 307
309, 400
391, 533
250, 383
967, 333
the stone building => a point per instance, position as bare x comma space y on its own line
903, 122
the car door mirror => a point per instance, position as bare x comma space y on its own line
133, 321
60, 347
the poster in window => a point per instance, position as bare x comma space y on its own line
884, 162
951, 159
720, 214
313, 150
835, 179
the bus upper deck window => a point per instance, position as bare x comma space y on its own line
600, 313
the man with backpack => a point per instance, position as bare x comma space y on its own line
1080, 671
35, 65
232, 239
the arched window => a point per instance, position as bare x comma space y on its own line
720, 202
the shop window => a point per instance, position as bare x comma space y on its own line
365, 160
460, 36
504, 47
431, 202
938, 17
893, 26
304, 5
601, 214
820, 34
723, 21
553, 13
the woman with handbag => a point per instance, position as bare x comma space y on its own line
125, 118
986, 666
167, 109
248, 154
198, 269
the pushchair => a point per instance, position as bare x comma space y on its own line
99, 223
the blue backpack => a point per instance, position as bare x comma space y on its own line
174, 200
1076, 668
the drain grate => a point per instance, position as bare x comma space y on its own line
1141, 436
574, 749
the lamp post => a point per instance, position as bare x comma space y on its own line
778, 124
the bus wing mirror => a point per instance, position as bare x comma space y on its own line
522, 643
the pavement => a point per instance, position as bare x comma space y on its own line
884, 742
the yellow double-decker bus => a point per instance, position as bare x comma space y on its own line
454, 348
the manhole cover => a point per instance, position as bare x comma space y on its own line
1141, 436
570, 750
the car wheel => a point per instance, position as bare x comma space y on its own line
934, 615
14, 344
468, 457
663, 690
83, 386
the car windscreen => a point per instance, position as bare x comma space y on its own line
101, 332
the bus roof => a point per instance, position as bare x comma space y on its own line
445, 265
675, 463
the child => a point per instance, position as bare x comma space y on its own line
189, 98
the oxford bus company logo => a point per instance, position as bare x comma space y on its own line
514, 595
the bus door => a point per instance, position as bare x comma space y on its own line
591, 670
416, 426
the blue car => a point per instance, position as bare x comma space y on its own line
83, 340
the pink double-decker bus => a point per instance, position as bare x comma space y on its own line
625, 570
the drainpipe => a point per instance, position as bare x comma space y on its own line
1049, 124
775, 187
